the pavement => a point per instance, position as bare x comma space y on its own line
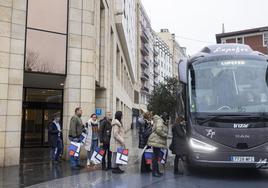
39, 172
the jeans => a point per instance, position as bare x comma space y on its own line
156, 156
56, 151
94, 145
106, 147
144, 166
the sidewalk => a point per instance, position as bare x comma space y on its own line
42, 170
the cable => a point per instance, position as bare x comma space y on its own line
196, 40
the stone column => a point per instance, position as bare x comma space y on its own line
12, 37
79, 88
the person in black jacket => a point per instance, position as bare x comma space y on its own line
105, 130
55, 138
145, 130
179, 144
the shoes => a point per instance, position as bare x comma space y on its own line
118, 171
160, 173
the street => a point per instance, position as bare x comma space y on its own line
204, 178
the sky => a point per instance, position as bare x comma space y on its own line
195, 22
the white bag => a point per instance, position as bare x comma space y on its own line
97, 156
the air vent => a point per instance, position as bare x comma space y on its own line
242, 146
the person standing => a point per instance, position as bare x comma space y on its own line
145, 130
117, 140
55, 137
92, 140
105, 131
158, 140
178, 145
75, 132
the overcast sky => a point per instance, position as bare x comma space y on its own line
200, 20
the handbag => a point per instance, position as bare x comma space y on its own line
74, 149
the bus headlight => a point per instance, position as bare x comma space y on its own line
201, 146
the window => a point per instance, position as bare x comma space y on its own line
40, 52
46, 36
265, 39
240, 40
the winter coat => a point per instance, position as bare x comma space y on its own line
145, 130
159, 136
53, 134
105, 131
89, 134
76, 127
178, 144
117, 136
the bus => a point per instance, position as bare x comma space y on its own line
226, 106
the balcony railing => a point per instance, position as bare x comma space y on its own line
144, 76
145, 50
145, 89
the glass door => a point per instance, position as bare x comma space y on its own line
33, 124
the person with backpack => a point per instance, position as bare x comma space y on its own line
178, 144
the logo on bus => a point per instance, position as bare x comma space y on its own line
241, 125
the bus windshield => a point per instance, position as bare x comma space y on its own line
229, 86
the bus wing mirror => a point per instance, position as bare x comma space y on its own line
183, 70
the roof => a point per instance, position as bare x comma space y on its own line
225, 50
241, 32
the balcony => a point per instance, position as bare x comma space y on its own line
156, 53
145, 62
144, 76
145, 50
145, 89
156, 62
156, 73
144, 36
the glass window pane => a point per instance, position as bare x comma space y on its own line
44, 95
45, 52
48, 15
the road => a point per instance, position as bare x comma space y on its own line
199, 178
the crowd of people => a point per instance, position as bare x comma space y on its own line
109, 135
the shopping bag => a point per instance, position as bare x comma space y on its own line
83, 138
148, 155
122, 156
97, 155
74, 149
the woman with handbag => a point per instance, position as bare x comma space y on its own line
178, 145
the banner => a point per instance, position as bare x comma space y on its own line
74, 149
122, 156
97, 155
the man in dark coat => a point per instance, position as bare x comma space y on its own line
105, 130
179, 144
55, 137
145, 130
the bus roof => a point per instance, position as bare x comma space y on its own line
225, 49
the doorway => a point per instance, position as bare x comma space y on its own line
39, 106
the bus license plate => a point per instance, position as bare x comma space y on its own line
240, 159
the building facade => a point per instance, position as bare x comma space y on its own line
59, 55
256, 38
176, 50
145, 56
163, 61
